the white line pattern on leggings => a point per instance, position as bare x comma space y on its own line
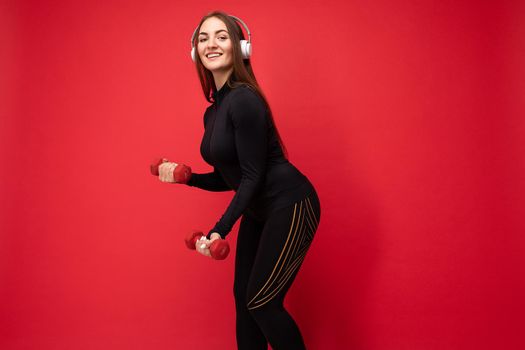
304, 223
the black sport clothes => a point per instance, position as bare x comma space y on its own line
241, 144
268, 257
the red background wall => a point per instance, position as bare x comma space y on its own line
406, 115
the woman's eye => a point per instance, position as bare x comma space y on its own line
203, 39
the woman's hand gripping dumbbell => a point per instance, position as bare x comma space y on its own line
216, 247
170, 172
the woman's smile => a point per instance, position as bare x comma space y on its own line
213, 57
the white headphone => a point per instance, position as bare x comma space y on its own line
246, 46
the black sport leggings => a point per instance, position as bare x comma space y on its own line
269, 255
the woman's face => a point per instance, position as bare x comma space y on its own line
213, 37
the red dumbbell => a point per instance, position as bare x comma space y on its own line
219, 249
181, 174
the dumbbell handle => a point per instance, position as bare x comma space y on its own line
181, 174
219, 248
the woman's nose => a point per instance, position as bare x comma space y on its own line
211, 43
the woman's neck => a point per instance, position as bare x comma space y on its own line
221, 78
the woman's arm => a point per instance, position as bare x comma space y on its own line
209, 181
250, 123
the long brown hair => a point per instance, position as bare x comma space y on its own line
242, 73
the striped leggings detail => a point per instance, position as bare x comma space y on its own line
303, 225
269, 255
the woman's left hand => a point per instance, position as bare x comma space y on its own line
203, 245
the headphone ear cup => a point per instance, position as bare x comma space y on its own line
249, 49
246, 49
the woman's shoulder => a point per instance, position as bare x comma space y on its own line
245, 95
247, 108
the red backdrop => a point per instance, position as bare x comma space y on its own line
406, 115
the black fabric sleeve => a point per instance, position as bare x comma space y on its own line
209, 181
250, 123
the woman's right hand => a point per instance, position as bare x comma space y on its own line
202, 246
166, 170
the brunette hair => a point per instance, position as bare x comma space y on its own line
242, 73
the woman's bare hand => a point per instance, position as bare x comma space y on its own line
166, 170
203, 244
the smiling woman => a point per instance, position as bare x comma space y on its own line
279, 206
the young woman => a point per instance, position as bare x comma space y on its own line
279, 206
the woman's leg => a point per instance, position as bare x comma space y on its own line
286, 237
249, 335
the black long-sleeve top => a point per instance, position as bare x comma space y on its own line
241, 144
